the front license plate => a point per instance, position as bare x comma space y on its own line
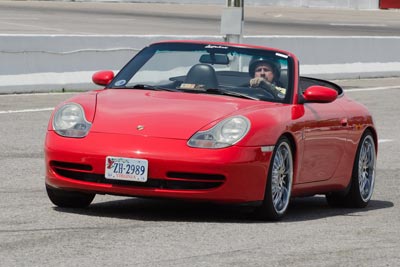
126, 169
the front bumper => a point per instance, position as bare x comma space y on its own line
231, 175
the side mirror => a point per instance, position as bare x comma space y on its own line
319, 94
103, 78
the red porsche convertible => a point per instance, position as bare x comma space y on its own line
219, 122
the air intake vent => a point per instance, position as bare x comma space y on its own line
70, 166
196, 176
184, 182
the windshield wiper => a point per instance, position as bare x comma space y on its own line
146, 87
229, 93
209, 90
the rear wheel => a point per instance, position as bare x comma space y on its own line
279, 182
69, 199
363, 176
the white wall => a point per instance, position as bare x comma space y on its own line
350, 4
346, 4
56, 62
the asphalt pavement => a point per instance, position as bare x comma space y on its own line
122, 231
44, 17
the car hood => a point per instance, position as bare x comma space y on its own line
162, 114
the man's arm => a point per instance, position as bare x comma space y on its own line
278, 92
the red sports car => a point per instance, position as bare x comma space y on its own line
219, 122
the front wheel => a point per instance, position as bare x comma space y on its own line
279, 182
69, 199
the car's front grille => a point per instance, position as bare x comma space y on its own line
177, 181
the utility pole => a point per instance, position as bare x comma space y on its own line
232, 21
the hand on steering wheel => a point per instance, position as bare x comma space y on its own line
264, 84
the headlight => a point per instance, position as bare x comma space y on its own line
224, 134
70, 121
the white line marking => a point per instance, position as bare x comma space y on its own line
200, 37
116, 19
51, 78
25, 110
373, 88
41, 94
385, 140
320, 37
33, 26
19, 18
348, 68
169, 36
357, 25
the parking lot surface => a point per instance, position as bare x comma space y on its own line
123, 231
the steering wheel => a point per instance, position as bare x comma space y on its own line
265, 86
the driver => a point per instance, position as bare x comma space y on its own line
265, 73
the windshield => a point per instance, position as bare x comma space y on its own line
208, 68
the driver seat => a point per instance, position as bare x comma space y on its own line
202, 74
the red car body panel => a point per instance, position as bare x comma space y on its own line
158, 110
325, 137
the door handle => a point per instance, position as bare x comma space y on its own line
343, 122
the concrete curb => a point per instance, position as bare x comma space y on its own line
42, 63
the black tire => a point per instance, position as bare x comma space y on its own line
69, 199
363, 177
279, 183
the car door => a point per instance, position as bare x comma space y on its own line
324, 136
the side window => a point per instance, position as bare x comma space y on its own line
306, 82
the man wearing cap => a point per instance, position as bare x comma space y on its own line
265, 74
